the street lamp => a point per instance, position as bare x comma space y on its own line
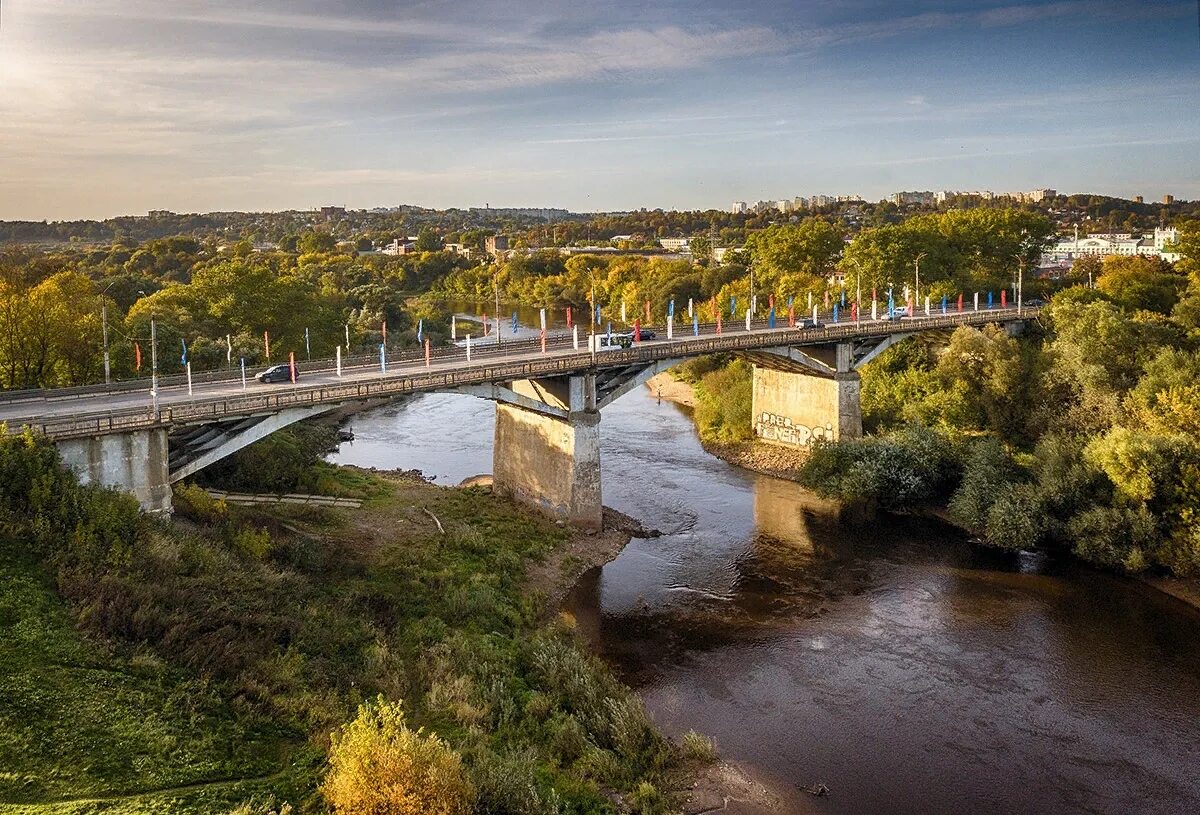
917, 293
104, 330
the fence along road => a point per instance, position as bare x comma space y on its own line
100, 411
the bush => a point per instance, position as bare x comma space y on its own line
1016, 519
986, 470
193, 502
724, 404
378, 765
278, 463
1115, 537
698, 747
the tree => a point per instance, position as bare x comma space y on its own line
378, 765
315, 242
807, 250
428, 240
1141, 283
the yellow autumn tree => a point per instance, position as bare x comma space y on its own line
380, 766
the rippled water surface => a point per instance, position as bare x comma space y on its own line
891, 662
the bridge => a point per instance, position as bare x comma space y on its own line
548, 403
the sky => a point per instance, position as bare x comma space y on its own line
112, 107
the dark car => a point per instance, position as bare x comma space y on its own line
278, 373
808, 323
647, 334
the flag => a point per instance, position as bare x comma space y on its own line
691, 313
835, 312
183, 357
569, 323
771, 316
514, 322
843, 298
989, 299
732, 306
827, 299
637, 330
648, 312
485, 323
137, 357
718, 324
696, 324
1004, 298
229, 347
453, 328
543, 319
420, 329
944, 298
671, 308
385, 332
292, 365
854, 311
770, 301
597, 314
267, 345
307, 347
960, 301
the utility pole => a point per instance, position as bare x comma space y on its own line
750, 305
104, 324
154, 365
1020, 282
496, 287
917, 266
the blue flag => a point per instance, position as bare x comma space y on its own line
671, 308
420, 329
732, 306
835, 312
183, 357
891, 304
843, 298
597, 315
771, 318
514, 322
943, 304
989, 299
696, 324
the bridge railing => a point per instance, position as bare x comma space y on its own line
401, 382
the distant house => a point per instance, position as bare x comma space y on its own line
495, 244
675, 244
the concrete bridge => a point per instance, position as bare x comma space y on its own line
548, 404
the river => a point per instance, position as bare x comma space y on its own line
893, 662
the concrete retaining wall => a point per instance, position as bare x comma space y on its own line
795, 409
550, 464
134, 462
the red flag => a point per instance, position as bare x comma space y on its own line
1004, 298
292, 366
137, 357
569, 323
960, 301
426, 353
718, 323
267, 345
791, 316
873, 295
385, 332
770, 301
637, 330
854, 312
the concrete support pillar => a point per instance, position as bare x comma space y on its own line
796, 409
549, 463
134, 462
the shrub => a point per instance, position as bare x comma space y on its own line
724, 404
193, 502
698, 747
509, 783
987, 468
253, 543
1016, 519
1115, 537
378, 765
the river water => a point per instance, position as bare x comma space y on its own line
893, 662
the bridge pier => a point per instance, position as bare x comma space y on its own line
550, 463
135, 462
798, 398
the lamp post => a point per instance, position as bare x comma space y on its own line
917, 268
153, 364
496, 287
104, 331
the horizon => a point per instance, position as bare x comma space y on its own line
123, 106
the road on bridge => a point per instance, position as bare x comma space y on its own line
45, 406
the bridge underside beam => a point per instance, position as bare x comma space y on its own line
612, 385
196, 448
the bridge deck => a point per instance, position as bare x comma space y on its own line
80, 412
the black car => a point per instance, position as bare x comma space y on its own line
647, 334
278, 373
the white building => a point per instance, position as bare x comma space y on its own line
738, 208
1115, 243
675, 244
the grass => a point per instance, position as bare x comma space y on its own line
78, 721
218, 656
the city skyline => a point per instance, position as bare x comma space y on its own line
124, 106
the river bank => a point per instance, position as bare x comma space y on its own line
781, 462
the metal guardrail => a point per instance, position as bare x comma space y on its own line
403, 382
